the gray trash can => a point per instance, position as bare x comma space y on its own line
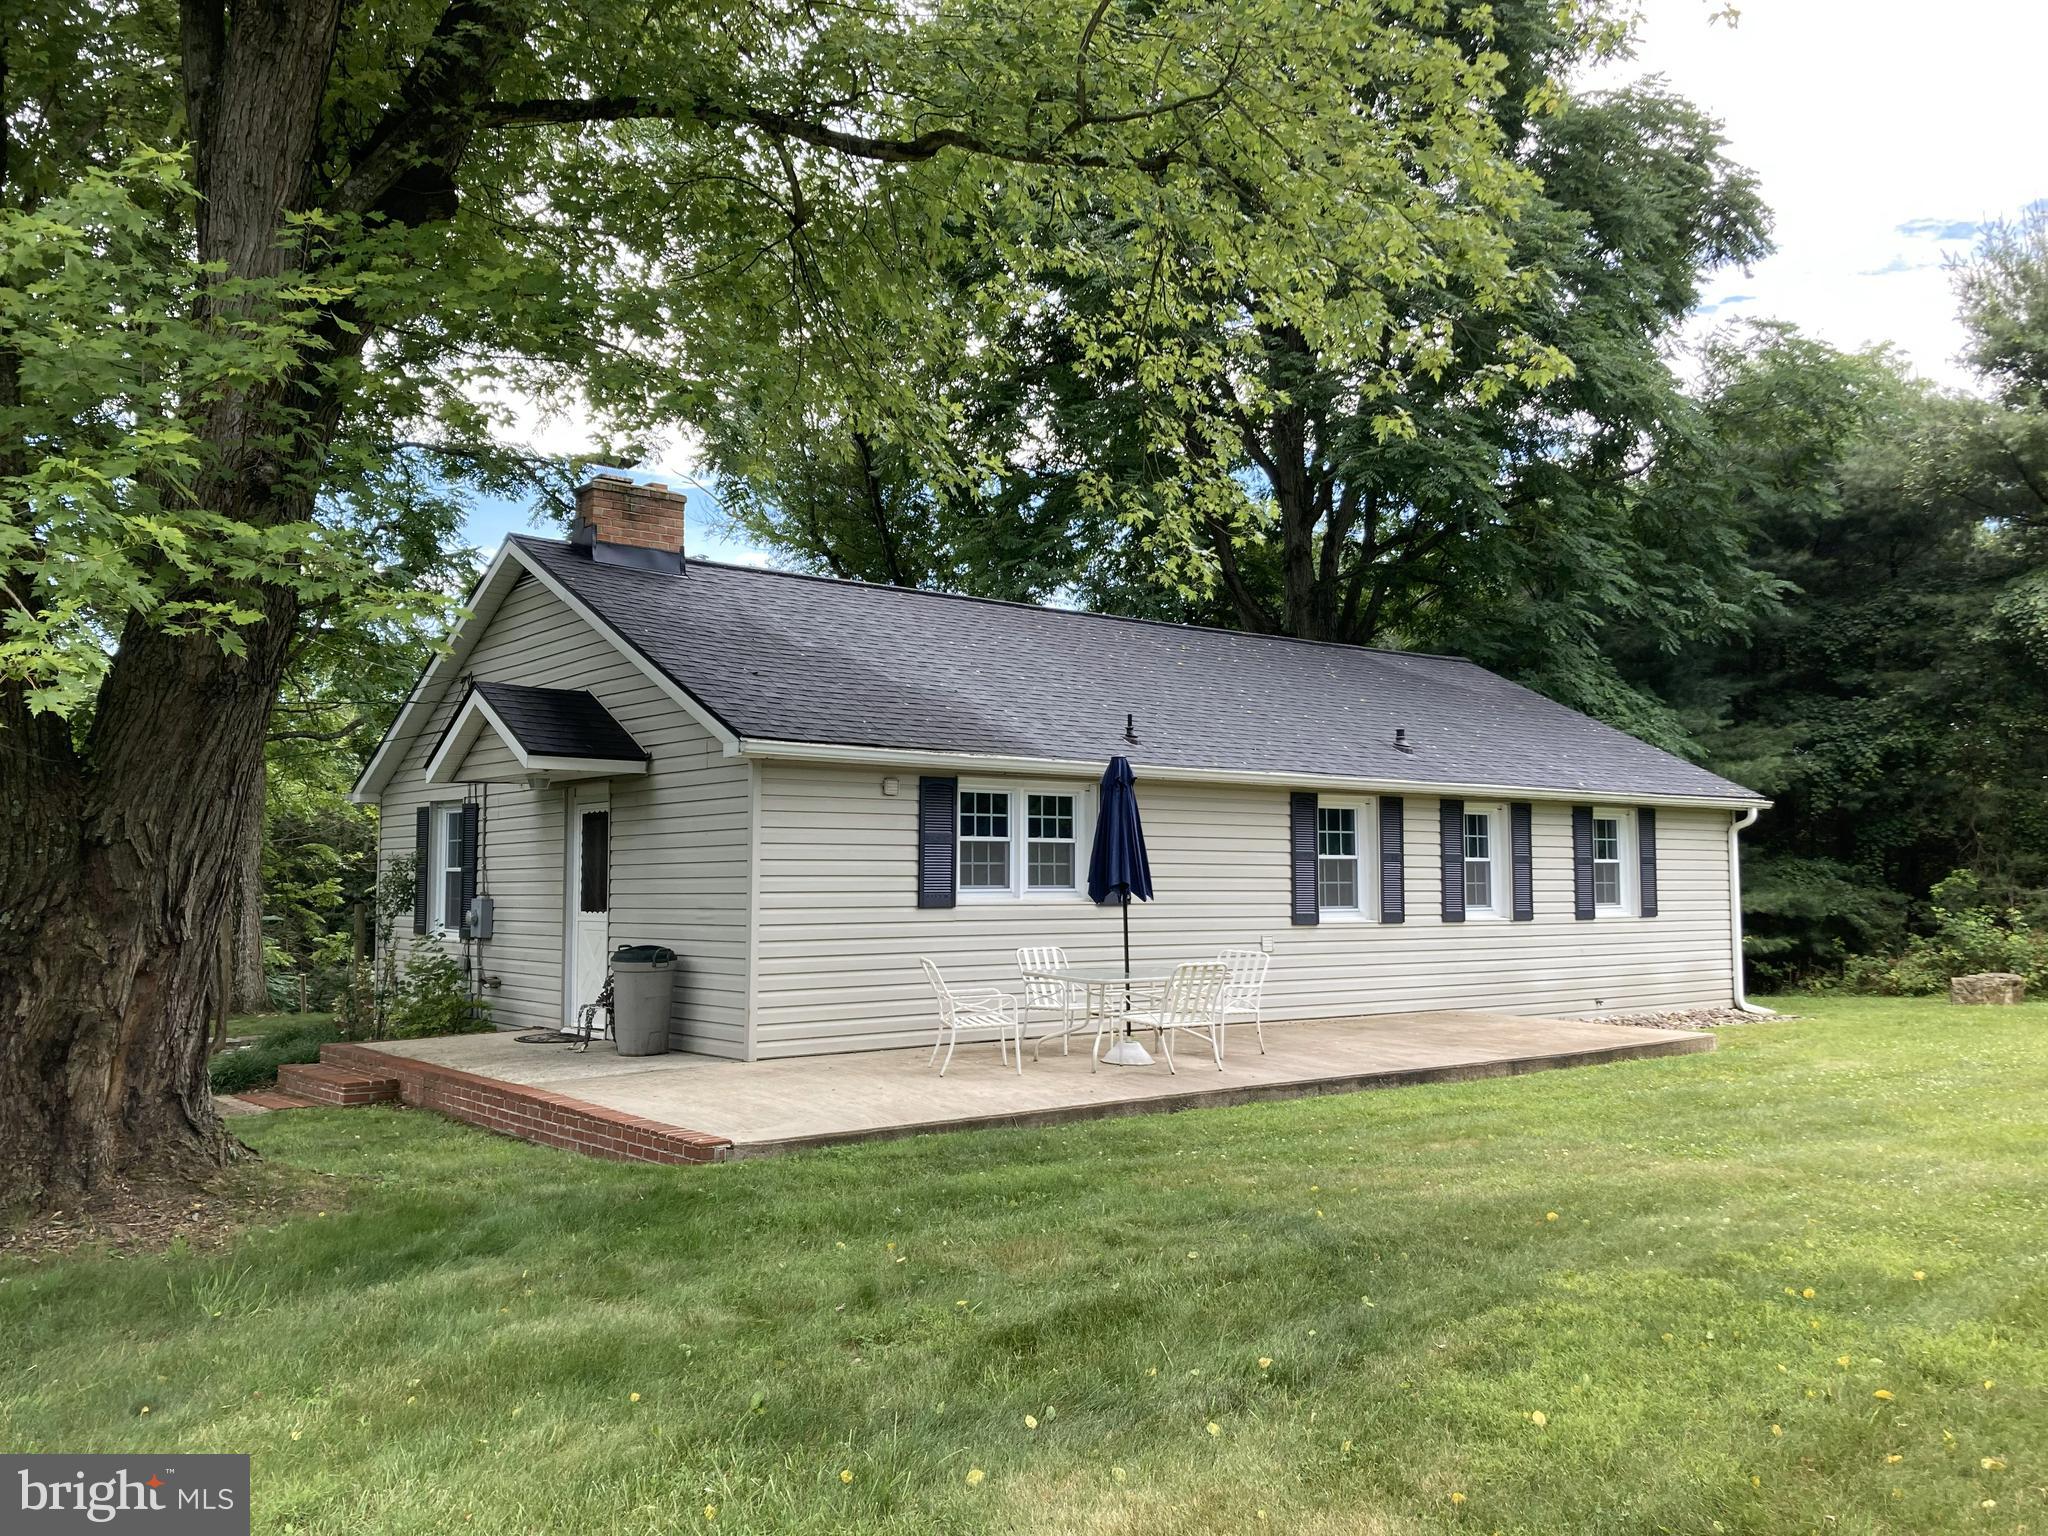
642, 985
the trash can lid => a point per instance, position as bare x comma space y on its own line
643, 954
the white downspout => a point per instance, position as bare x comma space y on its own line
1746, 819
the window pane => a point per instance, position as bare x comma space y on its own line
985, 813
1337, 883
1336, 831
451, 899
1478, 883
451, 839
1052, 865
1606, 838
1607, 885
984, 866
1050, 817
1479, 836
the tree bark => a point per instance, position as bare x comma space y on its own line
109, 935
247, 992
116, 859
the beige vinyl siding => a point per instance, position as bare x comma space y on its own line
679, 832
840, 933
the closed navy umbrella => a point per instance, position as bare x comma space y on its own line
1119, 870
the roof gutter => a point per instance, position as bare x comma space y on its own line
974, 762
1741, 998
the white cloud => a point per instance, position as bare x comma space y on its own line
1884, 132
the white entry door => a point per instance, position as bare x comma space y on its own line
588, 918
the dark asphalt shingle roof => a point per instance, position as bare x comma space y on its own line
559, 722
787, 657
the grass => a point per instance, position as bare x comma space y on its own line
283, 1038
1797, 1284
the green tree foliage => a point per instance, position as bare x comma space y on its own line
1318, 495
1894, 702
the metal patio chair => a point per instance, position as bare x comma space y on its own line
1046, 997
975, 1008
1244, 995
1193, 1005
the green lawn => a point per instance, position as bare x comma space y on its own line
1799, 1284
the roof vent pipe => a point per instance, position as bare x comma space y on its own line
1401, 741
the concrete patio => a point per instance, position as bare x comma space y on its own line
685, 1108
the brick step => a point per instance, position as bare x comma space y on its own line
341, 1087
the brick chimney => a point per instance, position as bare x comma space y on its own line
624, 523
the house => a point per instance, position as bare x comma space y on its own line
802, 785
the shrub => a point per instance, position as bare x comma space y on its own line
255, 1065
1970, 936
406, 997
432, 998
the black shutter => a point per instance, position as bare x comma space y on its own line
938, 819
1451, 824
1646, 854
1301, 858
469, 841
594, 862
1521, 815
1582, 862
423, 866
1393, 872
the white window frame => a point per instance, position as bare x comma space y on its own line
445, 813
1499, 862
1020, 792
1365, 822
1624, 856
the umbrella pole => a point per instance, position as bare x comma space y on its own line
1127, 962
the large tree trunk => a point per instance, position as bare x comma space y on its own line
109, 934
116, 864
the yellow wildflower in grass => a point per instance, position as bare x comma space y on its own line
1881, 1395
1118, 1474
633, 1397
1807, 1293
1030, 1421
1550, 1215
1992, 1464
961, 1302
710, 1511
974, 1477
846, 1474
1457, 1498
1538, 1419
1777, 1429
1842, 1360
1989, 1504
1214, 1428
1989, 1384
1756, 1482
1152, 1370
1894, 1459
1265, 1362
1345, 1448
1790, 1292
1919, 1274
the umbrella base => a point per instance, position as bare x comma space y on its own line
1127, 1053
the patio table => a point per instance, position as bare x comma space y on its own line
1102, 987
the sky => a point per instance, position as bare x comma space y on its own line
1884, 132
